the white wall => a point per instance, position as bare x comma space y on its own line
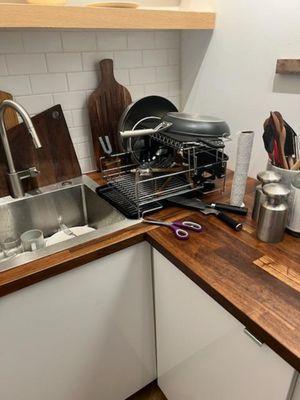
43, 68
231, 73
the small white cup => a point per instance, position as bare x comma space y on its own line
33, 240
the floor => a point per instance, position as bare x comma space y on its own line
151, 392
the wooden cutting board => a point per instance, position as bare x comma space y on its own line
106, 105
56, 160
10, 117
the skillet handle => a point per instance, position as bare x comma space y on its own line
228, 207
237, 226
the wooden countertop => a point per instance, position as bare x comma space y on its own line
219, 260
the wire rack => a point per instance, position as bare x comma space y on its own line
141, 186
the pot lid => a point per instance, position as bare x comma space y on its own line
195, 117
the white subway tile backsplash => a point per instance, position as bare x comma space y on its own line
173, 57
69, 118
43, 68
42, 41
70, 100
79, 40
128, 59
80, 134
159, 89
111, 40
82, 80
35, 104
141, 40
64, 62
18, 64
167, 74
80, 117
136, 91
167, 39
122, 76
17, 85
11, 42
91, 60
48, 83
87, 165
174, 89
84, 150
152, 58
142, 75
3, 69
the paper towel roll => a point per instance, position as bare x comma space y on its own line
244, 150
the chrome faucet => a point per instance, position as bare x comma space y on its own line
15, 178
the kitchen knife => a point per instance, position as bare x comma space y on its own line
197, 204
228, 207
217, 206
236, 225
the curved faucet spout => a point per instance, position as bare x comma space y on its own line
15, 177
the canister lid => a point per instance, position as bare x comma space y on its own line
276, 190
268, 177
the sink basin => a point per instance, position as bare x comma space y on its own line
74, 202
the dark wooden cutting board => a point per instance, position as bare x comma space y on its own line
56, 160
106, 105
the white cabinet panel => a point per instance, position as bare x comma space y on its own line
202, 350
296, 395
87, 334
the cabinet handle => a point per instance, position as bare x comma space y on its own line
258, 342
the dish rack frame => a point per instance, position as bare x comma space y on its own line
143, 190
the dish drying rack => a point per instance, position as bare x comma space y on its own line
137, 190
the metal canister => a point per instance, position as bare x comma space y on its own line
294, 203
273, 213
264, 178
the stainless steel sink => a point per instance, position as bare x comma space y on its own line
74, 203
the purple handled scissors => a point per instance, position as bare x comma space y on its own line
178, 227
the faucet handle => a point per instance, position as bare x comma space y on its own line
28, 173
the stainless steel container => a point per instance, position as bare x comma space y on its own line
294, 203
264, 178
273, 213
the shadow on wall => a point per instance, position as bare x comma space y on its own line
286, 84
193, 54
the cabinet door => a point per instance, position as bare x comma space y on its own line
87, 334
202, 350
296, 392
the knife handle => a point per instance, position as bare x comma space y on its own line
237, 226
228, 207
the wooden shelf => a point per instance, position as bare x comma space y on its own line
67, 17
288, 66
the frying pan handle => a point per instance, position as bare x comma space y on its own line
237, 226
228, 207
145, 132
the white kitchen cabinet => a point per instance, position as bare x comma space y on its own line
296, 393
202, 350
87, 334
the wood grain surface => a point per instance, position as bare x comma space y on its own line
288, 66
10, 116
219, 260
56, 160
106, 105
41, 16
